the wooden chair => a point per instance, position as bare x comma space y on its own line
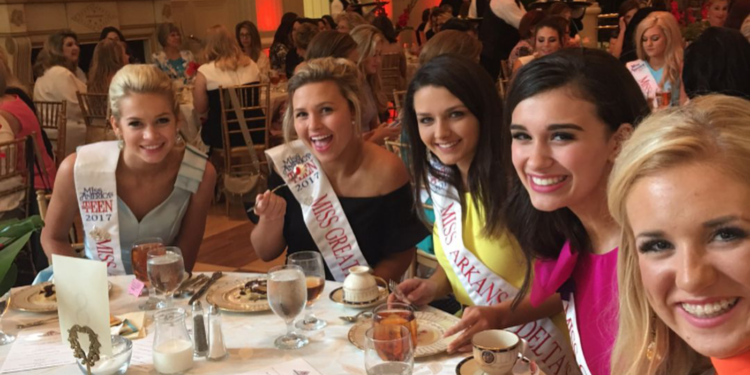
13, 181
42, 199
505, 76
53, 116
398, 100
95, 111
237, 161
390, 73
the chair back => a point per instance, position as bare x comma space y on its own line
14, 179
95, 111
398, 100
504, 81
390, 73
53, 116
42, 199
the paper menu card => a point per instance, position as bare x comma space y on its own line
83, 299
37, 348
296, 367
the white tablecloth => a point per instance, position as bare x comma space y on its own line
249, 338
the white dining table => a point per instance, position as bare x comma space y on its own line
249, 338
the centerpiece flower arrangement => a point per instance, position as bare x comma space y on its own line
691, 16
403, 19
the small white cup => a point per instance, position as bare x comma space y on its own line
496, 351
360, 286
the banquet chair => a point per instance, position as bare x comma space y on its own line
53, 116
390, 74
255, 103
95, 111
13, 181
398, 100
504, 81
43, 198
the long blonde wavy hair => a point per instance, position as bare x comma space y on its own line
711, 129
673, 53
368, 37
340, 71
222, 48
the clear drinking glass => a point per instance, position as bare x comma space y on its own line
287, 295
389, 350
139, 260
4, 304
173, 349
396, 314
166, 270
315, 278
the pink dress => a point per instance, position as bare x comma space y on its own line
593, 280
29, 123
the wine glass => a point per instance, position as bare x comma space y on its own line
315, 277
389, 350
287, 295
139, 258
396, 314
166, 270
5, 338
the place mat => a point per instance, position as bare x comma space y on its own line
430, 329
37, 348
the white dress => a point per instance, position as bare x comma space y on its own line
60, 84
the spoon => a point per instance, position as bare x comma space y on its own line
355, 318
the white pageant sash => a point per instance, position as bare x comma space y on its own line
575, 337
321, 209
96, 189
547, 344
643, 77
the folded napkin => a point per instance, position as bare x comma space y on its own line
130, 325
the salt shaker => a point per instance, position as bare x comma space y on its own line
216, 349
199, 331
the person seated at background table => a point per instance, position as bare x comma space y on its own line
60, 79
109, 57
717, 12
332, 44
172, 60
460, 25
302, 37
421, 39
225, 66
549, 37
437, 18
453, 116
113, 33
282, 42
147, 184
365, 192
660, 56
525, 45
451, 42
374, 101
717, 62
248, 38
390, 44
625, 13
680, 191
347, 21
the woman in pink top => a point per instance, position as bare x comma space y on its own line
568, 114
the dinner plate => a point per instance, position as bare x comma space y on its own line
29, 299
338, 296
430, 329
226, 296
468, 366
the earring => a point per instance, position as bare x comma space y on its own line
120, 142
651, 348
179, 140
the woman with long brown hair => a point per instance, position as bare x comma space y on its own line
109, 57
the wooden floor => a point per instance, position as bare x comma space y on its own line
226, 243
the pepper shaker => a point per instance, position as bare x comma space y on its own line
200, 342
216, 351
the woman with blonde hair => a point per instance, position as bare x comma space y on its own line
226, 66
659, 47
60, 79
347, 21
363, 185
109, 57
147, 184
451, 42
679, 190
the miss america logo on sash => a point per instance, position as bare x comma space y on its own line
643, 77
547, 345
321, 209
96, 189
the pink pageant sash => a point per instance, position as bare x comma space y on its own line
547, 345
643, 77
321, 209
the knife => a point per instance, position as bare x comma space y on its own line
199, 294
189, 282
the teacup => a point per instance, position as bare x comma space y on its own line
496, 351
361, 286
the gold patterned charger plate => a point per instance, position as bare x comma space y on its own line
226, 296
32, 299
430, 329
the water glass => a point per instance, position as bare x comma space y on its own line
139, 260
287, 296
311, 263
166, 270
4, 305
389, 350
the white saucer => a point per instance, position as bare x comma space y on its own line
468, 366
338, 296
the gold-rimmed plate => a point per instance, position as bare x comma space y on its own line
430, 329
31, 299
338, 296
226, 296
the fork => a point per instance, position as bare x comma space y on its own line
394, 289
355, 318
272, 191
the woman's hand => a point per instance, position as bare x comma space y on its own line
475, 319
418, 292
270, 206
623, 25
